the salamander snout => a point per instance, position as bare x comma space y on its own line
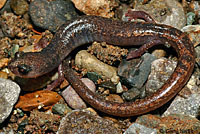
26, 65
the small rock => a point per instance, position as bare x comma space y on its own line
61, 109
159, 53
114, 98
169, 12
161, 70
190, 18
109, 85
139, 129
93, 76
136, 76
85, 122
73, 99
193, 83
193, 32
20, 7
187, 106
96, 7
87, 61
131, 94
9, 93
51, 14
174, 123
119, 88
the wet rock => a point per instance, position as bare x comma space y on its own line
85, 122
87, 61
169, 12
193, 32
20, 7
188, 106
161, 70
139, 129
96, 7
9, 93
171, 124
73, 99
136, 71
51, 14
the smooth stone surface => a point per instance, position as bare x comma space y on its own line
51, 14
136, 73
9, 93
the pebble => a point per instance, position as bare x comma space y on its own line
119, 88
93, 76
108, 85
136, 128
171, 124
114, 98
161, 70
51, 14
73, 99
9, 93
96, 7
169, 12
86, 122
136, 71
190, 18
193, 32
61, 109
87, 61
132, 94
20, 7
187, 106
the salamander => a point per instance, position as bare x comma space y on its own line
87, 29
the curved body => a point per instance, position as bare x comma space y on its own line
92, 28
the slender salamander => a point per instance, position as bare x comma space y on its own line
87, 29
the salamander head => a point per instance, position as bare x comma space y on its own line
27, 65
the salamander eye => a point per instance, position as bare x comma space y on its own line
24, 69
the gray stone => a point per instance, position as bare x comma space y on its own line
9, 93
